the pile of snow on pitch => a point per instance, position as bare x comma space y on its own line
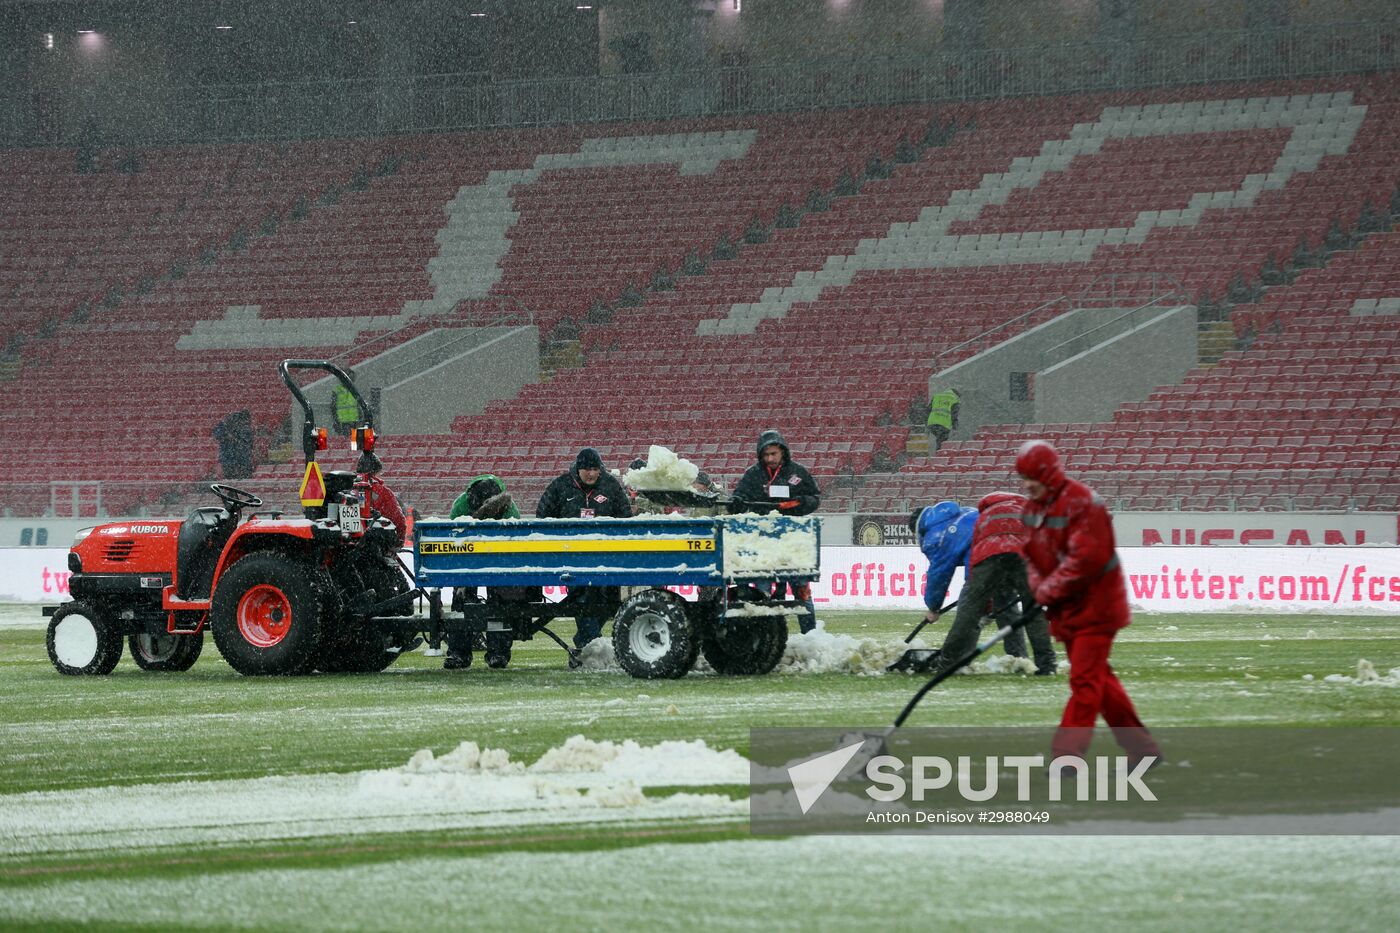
665, 764
664, 470
821, 652
1002, 664
1366, 676
581, 772
598, 657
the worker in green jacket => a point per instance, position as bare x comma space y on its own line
486, 498
942, 417
347, 410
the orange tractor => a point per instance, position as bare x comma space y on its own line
281, 595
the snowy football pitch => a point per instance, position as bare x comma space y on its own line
210, 800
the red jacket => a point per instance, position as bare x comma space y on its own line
1072, 564
382, 500
1001, 527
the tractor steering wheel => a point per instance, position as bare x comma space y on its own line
235, 498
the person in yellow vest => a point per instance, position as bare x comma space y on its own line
942, 417
347, 410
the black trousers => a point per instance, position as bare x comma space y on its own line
993, 583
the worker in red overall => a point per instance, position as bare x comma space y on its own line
1074, 571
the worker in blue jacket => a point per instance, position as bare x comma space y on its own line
944, 532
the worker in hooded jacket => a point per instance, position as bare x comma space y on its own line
986, 542
484, 499
1074, 571
778, 483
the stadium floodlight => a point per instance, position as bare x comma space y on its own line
87, 32
48, 40
478, 14
223, 27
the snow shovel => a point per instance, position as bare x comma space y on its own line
914, 656
880, 738
689, 498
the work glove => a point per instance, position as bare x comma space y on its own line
494, 507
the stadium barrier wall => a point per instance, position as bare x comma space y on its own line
151, 111
1089, 386
1167, 579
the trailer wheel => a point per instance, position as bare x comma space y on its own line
161, 651
746, 646
653, 637
82, 640
366, 650
266, 614
750, 646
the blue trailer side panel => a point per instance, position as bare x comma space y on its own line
670, 551
572, 552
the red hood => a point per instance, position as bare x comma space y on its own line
1039, 461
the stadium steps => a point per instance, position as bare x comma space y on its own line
1213, 341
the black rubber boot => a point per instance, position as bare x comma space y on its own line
497, 650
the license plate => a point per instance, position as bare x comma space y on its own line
350, 519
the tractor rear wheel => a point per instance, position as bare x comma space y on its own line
653, 636
81, 639
267, 614
161, 651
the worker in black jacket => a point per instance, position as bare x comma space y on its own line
587, 491
776, 483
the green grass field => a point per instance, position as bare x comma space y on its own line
215, 801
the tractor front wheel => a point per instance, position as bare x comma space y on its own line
82, 640
161, 651
266, 615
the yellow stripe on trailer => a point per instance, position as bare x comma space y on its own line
589, 546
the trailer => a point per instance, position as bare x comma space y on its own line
739, 620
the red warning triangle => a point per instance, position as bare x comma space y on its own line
313, 486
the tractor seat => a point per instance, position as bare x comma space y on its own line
197, 550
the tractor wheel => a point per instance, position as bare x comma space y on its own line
367, 650
160, 651
746, 646
267, 614
82, 640
653, 636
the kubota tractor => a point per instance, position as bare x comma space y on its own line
281, 595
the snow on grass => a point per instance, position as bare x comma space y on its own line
1366, 676
25, 615
823, 652
581, 781
598, 656
801, 884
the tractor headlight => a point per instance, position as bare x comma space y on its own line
82, 534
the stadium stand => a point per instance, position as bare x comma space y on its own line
826, 329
